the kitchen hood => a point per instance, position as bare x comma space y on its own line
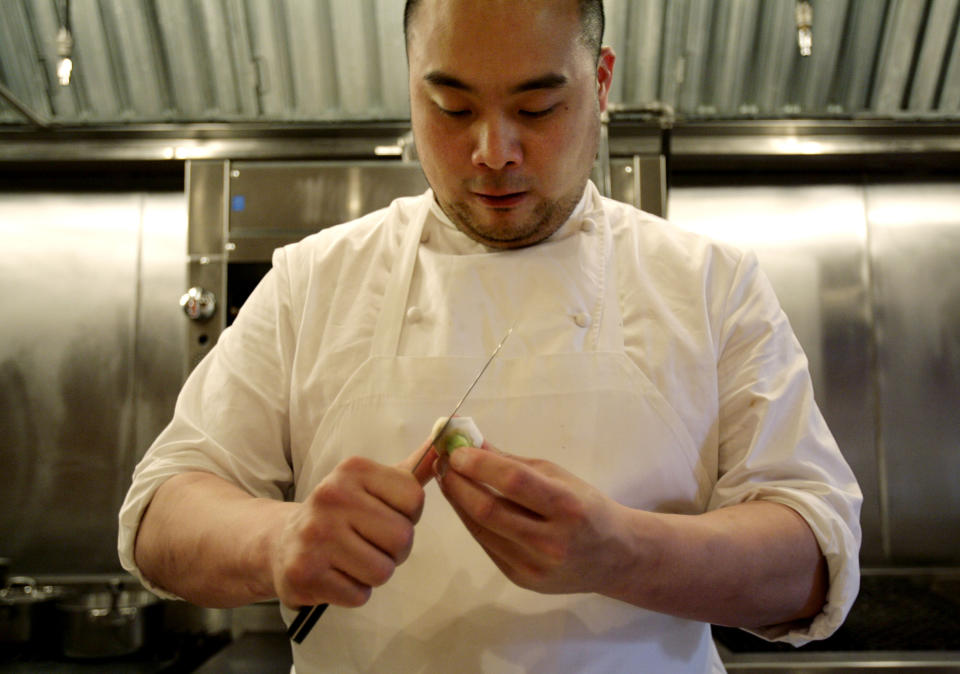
294, 61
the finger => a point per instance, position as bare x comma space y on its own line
389, 532
391, 485
381, 502
516, 479
420, 463
484, 509
510, 556
341, 589
381, 510
316, 581
363, 561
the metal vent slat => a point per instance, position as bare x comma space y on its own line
395, 97
18, 64
828, 22
354, 32
895, 60
933, 53
950, 92
774, 55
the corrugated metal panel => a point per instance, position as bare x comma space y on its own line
949, 102
333, 60
19, 59
934, 50
895, 58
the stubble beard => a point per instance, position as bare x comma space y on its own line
546, 218
538, 226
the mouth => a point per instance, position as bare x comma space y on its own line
505, 200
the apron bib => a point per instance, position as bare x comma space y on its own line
587, 408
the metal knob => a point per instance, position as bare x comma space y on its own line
198, 303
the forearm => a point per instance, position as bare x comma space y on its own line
749, 565
208, 541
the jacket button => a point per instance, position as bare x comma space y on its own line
582, 319
588, 226
425, 236
414, 315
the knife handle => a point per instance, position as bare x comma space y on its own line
304, 622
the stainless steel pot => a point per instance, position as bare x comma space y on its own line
25, 612
107, 623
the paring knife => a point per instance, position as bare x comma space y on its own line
309, 615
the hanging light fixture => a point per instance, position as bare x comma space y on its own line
65, 48
805, 27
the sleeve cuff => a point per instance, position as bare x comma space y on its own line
131, 513
840, 545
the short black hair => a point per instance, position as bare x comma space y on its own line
592, 23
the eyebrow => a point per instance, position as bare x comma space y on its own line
548, 81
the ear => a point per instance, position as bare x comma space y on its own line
605, 75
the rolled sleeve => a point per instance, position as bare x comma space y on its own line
839, 545
230, 418
775, 445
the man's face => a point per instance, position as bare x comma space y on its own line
505, 104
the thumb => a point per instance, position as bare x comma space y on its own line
424, 471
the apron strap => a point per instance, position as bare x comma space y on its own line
386, 337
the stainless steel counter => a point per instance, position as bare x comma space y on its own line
252, 653
902, 662
165, 654
269, 653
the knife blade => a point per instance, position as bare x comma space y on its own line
446, 424
307, 616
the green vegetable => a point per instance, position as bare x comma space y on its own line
457, 440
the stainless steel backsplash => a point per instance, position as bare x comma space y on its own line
90, 352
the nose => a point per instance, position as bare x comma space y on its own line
497, 144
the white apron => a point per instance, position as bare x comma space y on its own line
583, 405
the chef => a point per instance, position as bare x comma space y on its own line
653, 460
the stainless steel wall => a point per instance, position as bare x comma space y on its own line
90, 342
868, 276
914, 232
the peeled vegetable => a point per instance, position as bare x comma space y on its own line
456, 440
462, 432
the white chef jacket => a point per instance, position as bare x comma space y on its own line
697, 322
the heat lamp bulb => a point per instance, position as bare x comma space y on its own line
64, 70
65, 52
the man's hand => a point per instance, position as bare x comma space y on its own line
546, 529
751, 564
350, 533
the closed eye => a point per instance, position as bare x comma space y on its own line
537, 114
454, 113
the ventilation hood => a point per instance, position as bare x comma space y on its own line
315, 61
